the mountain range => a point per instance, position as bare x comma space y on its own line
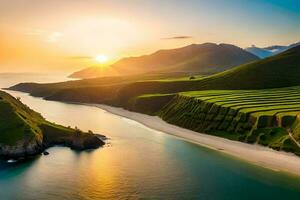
277, 71
193, 59
269, 51
257, 102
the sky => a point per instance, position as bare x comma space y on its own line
67, 35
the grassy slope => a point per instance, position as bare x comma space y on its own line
47, 90
195, 59
278, 71
262, 116
252, 116
18, 123
149, 104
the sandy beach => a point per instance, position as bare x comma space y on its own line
255, 154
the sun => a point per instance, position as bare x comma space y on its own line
101, 58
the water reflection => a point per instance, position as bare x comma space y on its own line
140, 163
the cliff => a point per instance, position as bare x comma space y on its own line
24, 132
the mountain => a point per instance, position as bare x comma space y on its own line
277, 71
252, 103
24, 132
281, 70
204, 58
269, 51
260, 52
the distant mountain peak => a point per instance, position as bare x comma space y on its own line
192, 59
269, 50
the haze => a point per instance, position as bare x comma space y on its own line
65, 35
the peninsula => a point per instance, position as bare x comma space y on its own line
25, 133
255, 103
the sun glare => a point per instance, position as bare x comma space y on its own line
101, 58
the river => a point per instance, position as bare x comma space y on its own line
137, 163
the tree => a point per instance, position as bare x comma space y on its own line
77, 131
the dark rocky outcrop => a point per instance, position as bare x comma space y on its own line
23, 149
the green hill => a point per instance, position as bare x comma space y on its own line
274, 72
268, 117
252, 103
204, 58
278, 71
24, 132
18, 122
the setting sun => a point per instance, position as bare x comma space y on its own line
86, 84
101, 58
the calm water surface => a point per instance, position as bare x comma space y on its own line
138, 163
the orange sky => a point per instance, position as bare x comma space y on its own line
66, 35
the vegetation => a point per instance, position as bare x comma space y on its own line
149, 104
253, 116
274, 72
17, 121
255, 103
24, 132
196, 59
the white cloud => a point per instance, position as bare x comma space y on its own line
48, 36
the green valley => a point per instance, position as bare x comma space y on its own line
257, 102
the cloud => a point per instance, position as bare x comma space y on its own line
181, 37
54, 37
80, 57
48, 36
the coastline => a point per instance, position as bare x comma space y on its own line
255, 154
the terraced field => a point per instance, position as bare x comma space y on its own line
257, 102
267, 117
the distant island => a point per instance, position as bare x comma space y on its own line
25, 133
256, 103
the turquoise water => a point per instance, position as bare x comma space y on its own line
138, 163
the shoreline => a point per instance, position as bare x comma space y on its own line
256, 154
